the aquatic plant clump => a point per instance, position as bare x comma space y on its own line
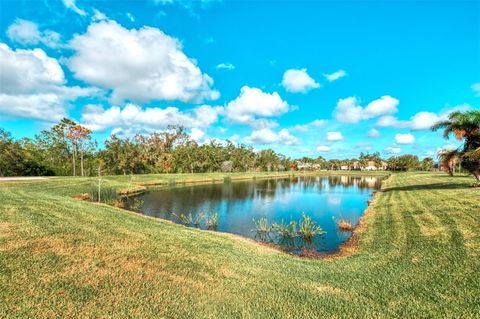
286, 230
106, 195
308, 229
344, 225
212, 221
262, 229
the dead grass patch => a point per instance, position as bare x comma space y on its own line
6, 229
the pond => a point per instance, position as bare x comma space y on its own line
325, 199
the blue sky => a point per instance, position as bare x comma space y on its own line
306, 79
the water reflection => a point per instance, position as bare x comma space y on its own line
324, 199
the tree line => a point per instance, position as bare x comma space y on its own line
67, 148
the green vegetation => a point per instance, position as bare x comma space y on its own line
212, 221
286, 230
466, 128
262, 229
106, 195
308, 229
67, 148
418, 255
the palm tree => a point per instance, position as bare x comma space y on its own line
466, 127
448, 159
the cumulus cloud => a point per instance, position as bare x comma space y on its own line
423, 120
298, 81
253, 105
391, 121
267, 136
33, 85
27, 33
349, 110
138, 65
323, 148
306, 127
197, 134
70, 4
334, 136
225, 66
476, 88
335, 75
373, 133
419, 121
135, 118
404, 138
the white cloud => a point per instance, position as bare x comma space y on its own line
306, 127
135, 118
391, 121
33, 85
334, 136
476, 88
382, 106
373, 133
421, 120
393, 150
197, 134
335, 75
404, 138
349, 110
98, 16
253, 103
298, 81
267, 136
70, 4
225, 66
323, 148
27, 33
138, 65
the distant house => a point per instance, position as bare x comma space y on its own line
356, 166
371, 166
301, 166
345, 168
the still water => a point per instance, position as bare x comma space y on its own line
326, 199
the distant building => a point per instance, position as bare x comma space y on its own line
371, 166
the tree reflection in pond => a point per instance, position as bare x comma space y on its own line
323, 198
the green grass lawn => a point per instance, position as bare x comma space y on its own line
418, 257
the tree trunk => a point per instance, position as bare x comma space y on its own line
81, 161
73, 160
477, 175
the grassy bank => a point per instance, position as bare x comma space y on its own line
418, 256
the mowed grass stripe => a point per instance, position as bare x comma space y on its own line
60, 257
